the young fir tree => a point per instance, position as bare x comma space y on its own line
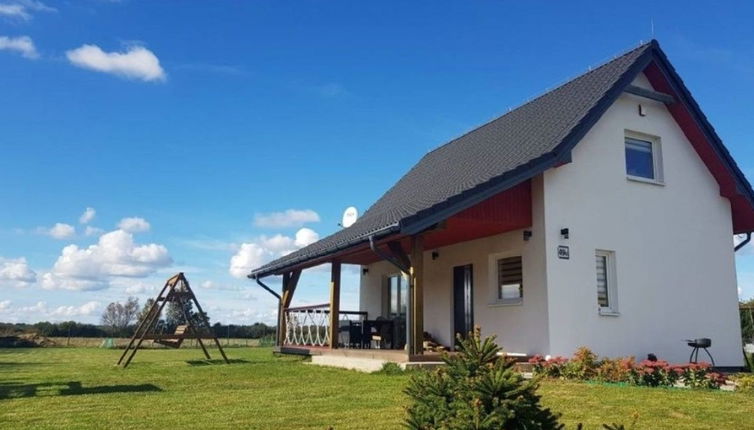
477, 390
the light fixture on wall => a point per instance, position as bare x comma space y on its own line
364, 270
642, 112
564, 233
527, 235
435, 255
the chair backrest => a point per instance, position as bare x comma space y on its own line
181, 329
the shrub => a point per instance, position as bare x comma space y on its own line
745, 383
551, 368
390, 368
700, 376
654, 373
583, 365
476, 390
614, 370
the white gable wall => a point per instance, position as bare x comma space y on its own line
675, 262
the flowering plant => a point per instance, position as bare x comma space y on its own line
652, 373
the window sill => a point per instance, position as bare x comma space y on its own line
608, 313
507, 302
645, 180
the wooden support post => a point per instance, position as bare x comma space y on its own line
334, 304
416, 279
281, 311
290, 280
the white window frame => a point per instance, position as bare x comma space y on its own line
495, 299
612, 283
657, 165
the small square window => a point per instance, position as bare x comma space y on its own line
640, 158
510, 280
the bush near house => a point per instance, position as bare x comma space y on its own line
476, 390
584, 366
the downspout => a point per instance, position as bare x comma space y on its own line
396, 263
742, 244
280, 303
387, 257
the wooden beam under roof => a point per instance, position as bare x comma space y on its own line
650, 94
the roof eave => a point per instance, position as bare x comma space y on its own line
277, 269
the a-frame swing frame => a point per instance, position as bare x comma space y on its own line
176, 289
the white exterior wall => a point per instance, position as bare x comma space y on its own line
675, 262
519, 328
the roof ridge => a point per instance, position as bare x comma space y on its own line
592, 69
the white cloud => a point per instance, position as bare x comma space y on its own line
5, 304
86, 309
207, 284
22, 44
93, 231
258, 252
21, 9
14, 11
248, 257
137, 62
87, 216
305, 237
41, 311
114, 255
16, 272
134, 225
40, 307
61, 231
288, 218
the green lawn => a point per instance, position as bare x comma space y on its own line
80, 387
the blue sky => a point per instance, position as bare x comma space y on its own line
198, 133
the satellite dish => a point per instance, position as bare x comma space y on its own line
349, 217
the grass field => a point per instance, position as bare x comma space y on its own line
80, 388
94, 342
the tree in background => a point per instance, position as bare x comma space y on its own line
145, 311
747, 320
119, 316
174, 316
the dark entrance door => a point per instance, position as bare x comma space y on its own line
463, 304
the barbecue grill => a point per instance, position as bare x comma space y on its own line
696, 345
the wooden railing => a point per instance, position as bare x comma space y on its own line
310, 325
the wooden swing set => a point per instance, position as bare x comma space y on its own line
176, 290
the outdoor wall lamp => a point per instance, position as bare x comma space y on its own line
527, 235
564, 233
435, 255
364, 270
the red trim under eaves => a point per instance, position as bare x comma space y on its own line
691, 125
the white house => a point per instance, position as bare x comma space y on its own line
599, 214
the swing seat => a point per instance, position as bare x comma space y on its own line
176, 341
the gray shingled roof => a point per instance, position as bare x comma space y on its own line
525, 141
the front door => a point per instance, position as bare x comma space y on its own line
463, 304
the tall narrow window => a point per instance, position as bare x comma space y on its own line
510, 280
606, 291
398, 296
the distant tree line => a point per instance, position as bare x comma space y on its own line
121, 320
747, 320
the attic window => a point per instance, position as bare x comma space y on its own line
643, 158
